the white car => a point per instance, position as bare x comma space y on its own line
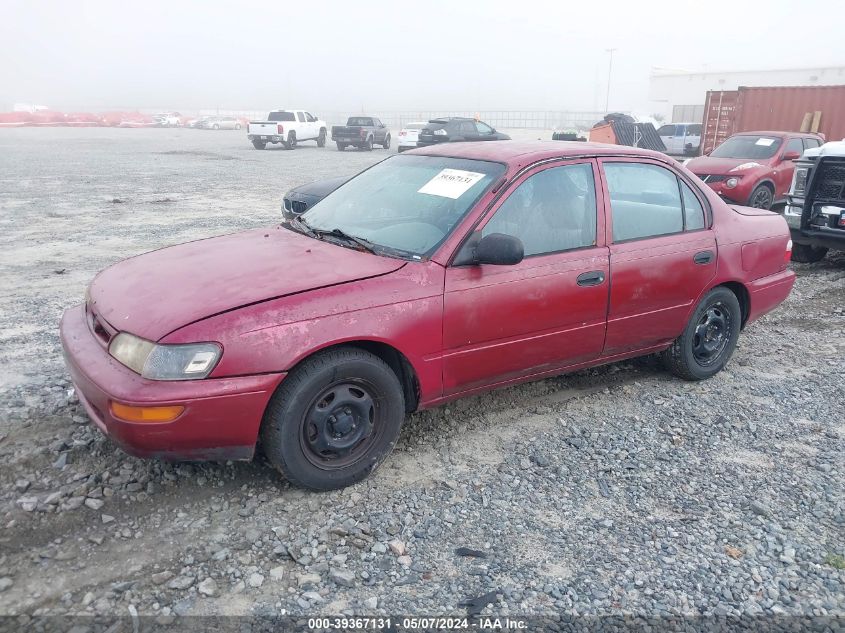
287, 127
167, 119
681, 139
408, 135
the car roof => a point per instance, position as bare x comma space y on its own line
446, 119
524, 152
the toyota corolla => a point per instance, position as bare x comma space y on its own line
432, 275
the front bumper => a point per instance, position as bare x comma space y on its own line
827, 236
221, 417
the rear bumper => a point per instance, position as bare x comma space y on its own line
267, 138
769, 292
221, 417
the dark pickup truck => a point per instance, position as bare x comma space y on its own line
362, 132
815, 204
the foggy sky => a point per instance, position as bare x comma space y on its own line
383, 55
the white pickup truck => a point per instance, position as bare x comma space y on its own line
287, 127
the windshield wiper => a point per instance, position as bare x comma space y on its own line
367, 245
336, 232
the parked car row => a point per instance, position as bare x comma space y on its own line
289, 127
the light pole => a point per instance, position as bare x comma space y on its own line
609, 69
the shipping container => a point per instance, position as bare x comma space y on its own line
775, 109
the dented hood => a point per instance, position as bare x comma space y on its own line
156, 293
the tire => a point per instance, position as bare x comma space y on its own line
321, 139
259, 144
291, 142
215, 127
341, 147
762, 197
694, 356
386, 144
368, 146
237, 126
807, 253
327, 387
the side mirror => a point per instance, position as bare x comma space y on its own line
499, 249
791, 156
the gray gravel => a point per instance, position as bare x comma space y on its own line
614, 490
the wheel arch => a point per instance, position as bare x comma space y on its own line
395, 359
742, 295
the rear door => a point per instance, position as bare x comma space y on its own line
662, 252
548, 311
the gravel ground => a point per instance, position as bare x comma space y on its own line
619, 490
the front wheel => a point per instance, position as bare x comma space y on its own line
237, 126
386, 144
334, 419
709, 339
762, 197
807, 253
259, 145
321, 139
215, 126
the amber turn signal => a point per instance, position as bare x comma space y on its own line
150, 415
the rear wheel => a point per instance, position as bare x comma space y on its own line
321, 139
291, 142
807, 253
709, 339
386, 144
259, 144
334, 419
762, 197
368, 145
237, 126
215, 126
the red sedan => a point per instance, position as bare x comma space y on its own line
430, 276
754, 168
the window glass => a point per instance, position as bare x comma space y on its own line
281, 116
644, 199
666, 130
301, 117
748, 146
810, 143
466, 128
553, 210
694, 129
794, 145
310, 117
483, 128
693, 211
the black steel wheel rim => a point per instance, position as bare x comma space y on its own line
341, 424
712, 334
762, 198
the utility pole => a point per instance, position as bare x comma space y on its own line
609, 70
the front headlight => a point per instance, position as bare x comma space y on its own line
730, 183
799, 181
165, 362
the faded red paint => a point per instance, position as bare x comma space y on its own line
272, 297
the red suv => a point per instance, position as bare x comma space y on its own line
753, 168
432, 275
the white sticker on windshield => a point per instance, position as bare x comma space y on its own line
765, 142
451, 183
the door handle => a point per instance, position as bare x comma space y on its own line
592, 278
703, 257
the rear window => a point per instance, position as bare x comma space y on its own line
359, 120
281, 116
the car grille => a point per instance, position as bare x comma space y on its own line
298, 206
712, 178
831, 182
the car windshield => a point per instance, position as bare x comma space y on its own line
748, 147
359, 120
405, 203
281, 116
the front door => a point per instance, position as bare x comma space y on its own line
548, 311
662, 253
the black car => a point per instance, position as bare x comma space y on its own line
457, 129
299, 199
